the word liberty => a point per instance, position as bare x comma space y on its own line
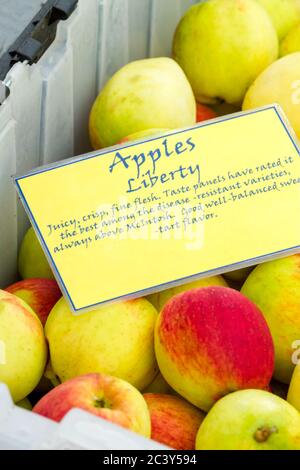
145, 165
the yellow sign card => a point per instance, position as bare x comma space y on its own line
139, 218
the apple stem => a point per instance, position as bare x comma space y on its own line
99, 403
262, 434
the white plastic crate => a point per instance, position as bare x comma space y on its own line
44, 119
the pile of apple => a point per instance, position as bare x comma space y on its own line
228, 55
208, 365
200, 366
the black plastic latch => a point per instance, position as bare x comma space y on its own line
38, 35
30, 49
64, 8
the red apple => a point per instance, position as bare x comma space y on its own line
108, 397
204, 113
212, 341
40, 294
174, 422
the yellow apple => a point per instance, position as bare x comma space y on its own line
23, 349
275, 288
285, 14
116, 339
145, 94
250, 420
222, 46
279, 83
159, 299
294, 390
107, 397
32, 260
291, 42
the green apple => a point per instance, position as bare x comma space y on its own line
32, 260
275, 288
250, 420
222, 46
116, 339
285, 14
291, 42
145, 94
279, 83
23, 349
